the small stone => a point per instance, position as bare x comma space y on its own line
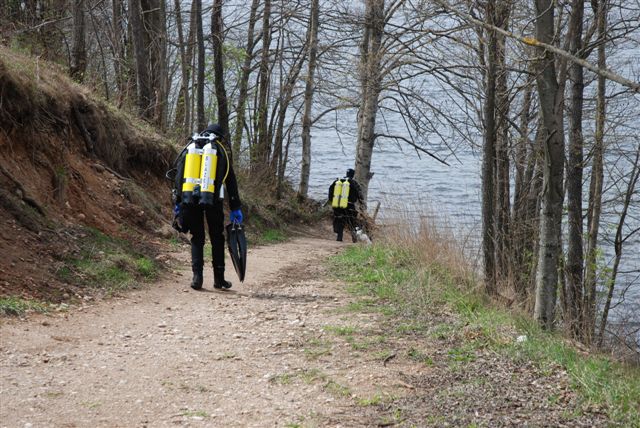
81, 216
98, 168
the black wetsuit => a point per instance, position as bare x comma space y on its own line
346, 217
195, 214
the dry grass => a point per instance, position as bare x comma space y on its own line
430, 238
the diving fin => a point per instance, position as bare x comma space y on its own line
237, 245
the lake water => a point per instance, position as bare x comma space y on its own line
452, 193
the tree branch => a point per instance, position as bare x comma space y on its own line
531, 41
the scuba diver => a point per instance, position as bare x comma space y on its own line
344, 193
204, 173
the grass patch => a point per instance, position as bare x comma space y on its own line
316, 348
600, 381
107, 263
340, 330
363, 305
312, 375
272, 236
410, 328
282, 379
259, 235
419, 356
337, 389
370, 401
15, 306
195, 413
409, 288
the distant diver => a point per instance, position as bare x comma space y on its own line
344, 193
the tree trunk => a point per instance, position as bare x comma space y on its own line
286, 95
503, 197
575, 256
552, 195
79, 59
202, 120
495, 162
260, 155
243, 84
119, 54
217, 37
631, 188
156, 29
103, 61
143, 82
182, 117
597, 176
521, 233
489, 158
305, 170
371, 56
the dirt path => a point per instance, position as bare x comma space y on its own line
168, 355
279, 350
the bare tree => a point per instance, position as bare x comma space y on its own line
143, 80
118, 46
493, 181
79, 59
183, 109
244, 80
575, 258
217, 38
370, 86
261, 151
305, 170
619, 240
202, 120
552, 194
597, 177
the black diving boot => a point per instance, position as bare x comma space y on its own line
218, 279
196, 282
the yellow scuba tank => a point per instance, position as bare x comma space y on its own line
208, 169
337, 191
191, 177
344, 197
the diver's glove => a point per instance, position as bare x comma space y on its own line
236, 216
176, 210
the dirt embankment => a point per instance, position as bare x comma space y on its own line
69, 164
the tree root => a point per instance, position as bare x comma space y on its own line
25, 197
